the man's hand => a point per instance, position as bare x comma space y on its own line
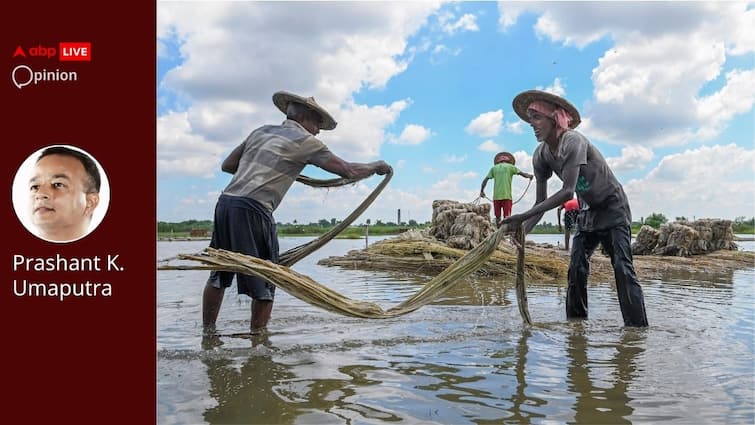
382, 168
529, 176
482, 194
513, 221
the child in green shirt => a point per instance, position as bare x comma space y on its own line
503, 170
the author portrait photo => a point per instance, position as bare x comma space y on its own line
60, 193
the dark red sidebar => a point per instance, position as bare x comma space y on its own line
79, 317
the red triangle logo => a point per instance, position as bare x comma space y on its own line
19, 52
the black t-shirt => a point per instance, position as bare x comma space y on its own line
600, 194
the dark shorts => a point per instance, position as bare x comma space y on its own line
570, 219
243, 225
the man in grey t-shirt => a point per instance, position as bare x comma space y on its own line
604, 215
264, 167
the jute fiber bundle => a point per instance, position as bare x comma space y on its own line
309, 291
312, 292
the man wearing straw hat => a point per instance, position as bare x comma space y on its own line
504, 168
604, 215
264, 167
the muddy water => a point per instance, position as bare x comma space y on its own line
466, 359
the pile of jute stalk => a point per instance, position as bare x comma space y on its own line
421, 255
456, 227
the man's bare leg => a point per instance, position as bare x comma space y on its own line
212, 299
261, 311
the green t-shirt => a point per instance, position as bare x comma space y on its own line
502, 173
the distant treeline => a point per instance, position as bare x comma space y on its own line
184, 228
165, 229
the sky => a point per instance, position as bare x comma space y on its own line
665, 91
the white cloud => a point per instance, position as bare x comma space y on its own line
487, 124
231, 64
649, 93
194, 204
658, 85
736, 97
451, 182
441, 51
180, 151
509, 11
362, 132
648, 88
516, 127
489, 146
556, 88
632, 158
523, 161
580, 25
202, 201
412, 134
467, 22
712, 182
453, 159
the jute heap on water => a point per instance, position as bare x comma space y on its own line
456, 227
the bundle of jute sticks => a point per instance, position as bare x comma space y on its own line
306, 289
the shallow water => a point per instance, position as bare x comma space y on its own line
465, 359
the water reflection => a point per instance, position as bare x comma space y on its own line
246, 394
524, 407
465, 359
265, 391
608, 403
519, 399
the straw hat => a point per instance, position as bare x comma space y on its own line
525, 98
504, 157
281, 99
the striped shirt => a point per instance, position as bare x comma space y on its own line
272, 159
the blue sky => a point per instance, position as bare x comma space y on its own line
666, 92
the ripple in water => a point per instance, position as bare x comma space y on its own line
464, 359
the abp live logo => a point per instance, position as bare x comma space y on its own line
75, 51
67, 51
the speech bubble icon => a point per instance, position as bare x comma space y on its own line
16, 81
